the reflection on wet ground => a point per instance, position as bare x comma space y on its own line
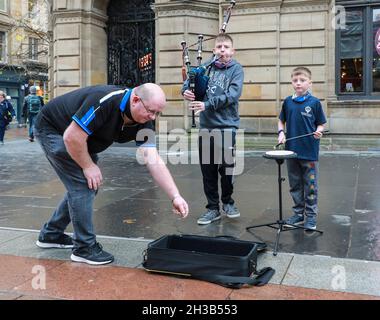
130, 205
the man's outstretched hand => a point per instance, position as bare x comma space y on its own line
180, 207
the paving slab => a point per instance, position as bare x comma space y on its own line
25, 246
127, 252
279, 263
344, 275
7, 235
9, 296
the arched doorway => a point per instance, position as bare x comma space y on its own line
131, 42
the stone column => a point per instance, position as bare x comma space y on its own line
330, 63
80, 45
178, 21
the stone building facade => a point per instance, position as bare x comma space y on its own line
271, 37
23, 49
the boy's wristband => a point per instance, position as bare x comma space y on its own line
279, 131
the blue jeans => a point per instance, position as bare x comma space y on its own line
2, 130
31, 118
303, 181
77, 203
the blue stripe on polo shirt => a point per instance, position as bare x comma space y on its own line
75, 118
88, 117
125, 100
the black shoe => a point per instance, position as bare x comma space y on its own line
63, 242
92, 255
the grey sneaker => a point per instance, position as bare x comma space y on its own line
311, 223
230, 210
294, 220
209, 216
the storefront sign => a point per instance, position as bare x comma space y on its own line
377, 42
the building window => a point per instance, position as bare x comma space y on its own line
3, 46
351, 53
3, 5
32, 4
33, 48
358, 52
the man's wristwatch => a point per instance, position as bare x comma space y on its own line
279, 131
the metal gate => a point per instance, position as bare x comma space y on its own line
131, 42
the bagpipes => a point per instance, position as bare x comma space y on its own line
197, 77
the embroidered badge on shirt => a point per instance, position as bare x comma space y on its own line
308, 112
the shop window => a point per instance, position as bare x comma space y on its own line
13, 92
358, 53
351, 53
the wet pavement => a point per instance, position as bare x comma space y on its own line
129, 205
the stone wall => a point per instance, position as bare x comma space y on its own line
177, 22
80, 45
271, 37
354, 117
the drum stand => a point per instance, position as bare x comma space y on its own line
280, 223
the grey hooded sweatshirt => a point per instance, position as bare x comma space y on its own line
222, 97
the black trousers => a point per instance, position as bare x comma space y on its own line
217, 157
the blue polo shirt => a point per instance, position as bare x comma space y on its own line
302, 118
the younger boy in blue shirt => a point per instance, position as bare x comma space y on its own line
302, 113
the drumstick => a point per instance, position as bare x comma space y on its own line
304, 135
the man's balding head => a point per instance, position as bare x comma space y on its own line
152, 94
147, 101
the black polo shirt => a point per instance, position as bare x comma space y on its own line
97, 110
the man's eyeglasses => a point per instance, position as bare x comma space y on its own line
152, 112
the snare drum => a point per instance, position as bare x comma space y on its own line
279, 154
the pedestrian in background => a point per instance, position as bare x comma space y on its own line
6, 114
32, 106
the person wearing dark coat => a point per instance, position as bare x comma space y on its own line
7, 113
